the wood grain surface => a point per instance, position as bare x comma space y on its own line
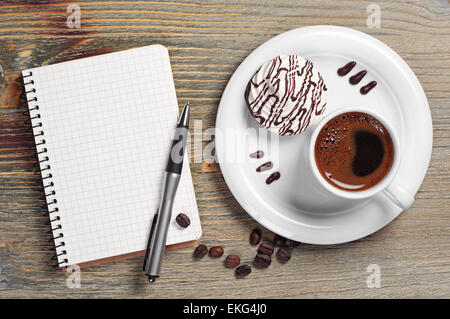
207, 40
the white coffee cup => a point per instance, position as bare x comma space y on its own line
395, 192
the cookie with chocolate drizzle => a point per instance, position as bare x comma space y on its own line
286, 95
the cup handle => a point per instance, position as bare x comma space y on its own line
398, 195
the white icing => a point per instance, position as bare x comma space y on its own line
286, 95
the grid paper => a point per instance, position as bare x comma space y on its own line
108, 122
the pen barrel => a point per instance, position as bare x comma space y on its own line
175, 162
159, 236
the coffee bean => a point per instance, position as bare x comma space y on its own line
283, 255
262, 260
279, 241
266, 249
294, 243
183, 220
243, 270
255, 236
216, 251
200, 251
233, 260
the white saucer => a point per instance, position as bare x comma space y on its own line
285, 206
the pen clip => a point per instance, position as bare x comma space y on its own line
147, 251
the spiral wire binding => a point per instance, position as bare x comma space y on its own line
29, 95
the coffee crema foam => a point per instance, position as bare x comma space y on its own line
286, 95
354, 151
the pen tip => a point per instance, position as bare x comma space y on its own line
184, 117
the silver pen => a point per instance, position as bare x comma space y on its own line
160, 224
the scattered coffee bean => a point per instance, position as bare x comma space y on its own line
273, 177
255, 236
264, 167
346, 68
257, 154
294, 243
262, 260
183, 220
366, 88
266, 249
216, 251
355, 79
233, 260
283, 255
279, 241
243, 270
200, 251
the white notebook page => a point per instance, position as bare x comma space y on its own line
108, 122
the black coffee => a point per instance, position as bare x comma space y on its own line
354, 151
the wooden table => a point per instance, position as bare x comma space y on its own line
207, 41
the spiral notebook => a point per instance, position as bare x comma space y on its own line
103, 127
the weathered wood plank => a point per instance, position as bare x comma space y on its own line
207, 40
